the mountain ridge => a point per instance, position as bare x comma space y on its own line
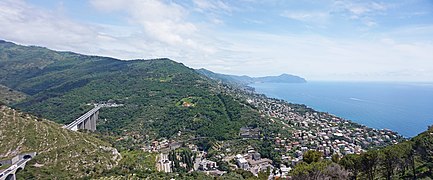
60, 85
245, 80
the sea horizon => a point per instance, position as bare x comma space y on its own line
380, 105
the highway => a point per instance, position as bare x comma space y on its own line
84, 117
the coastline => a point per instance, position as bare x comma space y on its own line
360, 104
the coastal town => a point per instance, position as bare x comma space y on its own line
306, 128
312, 130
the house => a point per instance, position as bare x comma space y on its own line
256, 156
242, 162
205, 165
249, 133
285, 171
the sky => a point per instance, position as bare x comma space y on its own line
332, 40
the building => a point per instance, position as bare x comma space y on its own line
256, 156
242, 162
206, 165
249, 133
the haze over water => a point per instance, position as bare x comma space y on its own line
403, 107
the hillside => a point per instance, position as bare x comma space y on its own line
8, 95
407, 160
245, 80
161, 97
67, 153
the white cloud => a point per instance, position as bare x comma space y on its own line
212, 5
307, 16
164, 29
28, 24
321, 58
362, 8
164, 22
362, 11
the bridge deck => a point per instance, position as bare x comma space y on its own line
84, 117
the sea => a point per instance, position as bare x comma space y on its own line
406, 108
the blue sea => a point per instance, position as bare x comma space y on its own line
406, 108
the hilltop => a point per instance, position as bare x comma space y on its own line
161, 97
245, 80
61, 153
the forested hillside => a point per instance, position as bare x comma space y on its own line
408, 160
67, 153
8, 95
160, 97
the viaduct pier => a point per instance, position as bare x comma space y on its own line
88, 120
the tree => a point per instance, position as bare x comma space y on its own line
312, 156
264, 175
407, 159
318, 170
351, 162
369, 161
389, 160
335, 158
223, 166
424, 147
335, 171
245, 174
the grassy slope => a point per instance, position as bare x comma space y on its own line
69, 154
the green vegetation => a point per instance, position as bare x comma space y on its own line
312, 156
155, 93
187, 102
67, 153
407, 160
9, 96
318, 170
161, 98
133, 162
315, 167
184, 156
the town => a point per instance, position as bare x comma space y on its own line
306, 130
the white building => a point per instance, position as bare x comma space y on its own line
242, 162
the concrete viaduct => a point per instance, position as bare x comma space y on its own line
17, 164
88, 120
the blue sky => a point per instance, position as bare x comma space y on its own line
320, 40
